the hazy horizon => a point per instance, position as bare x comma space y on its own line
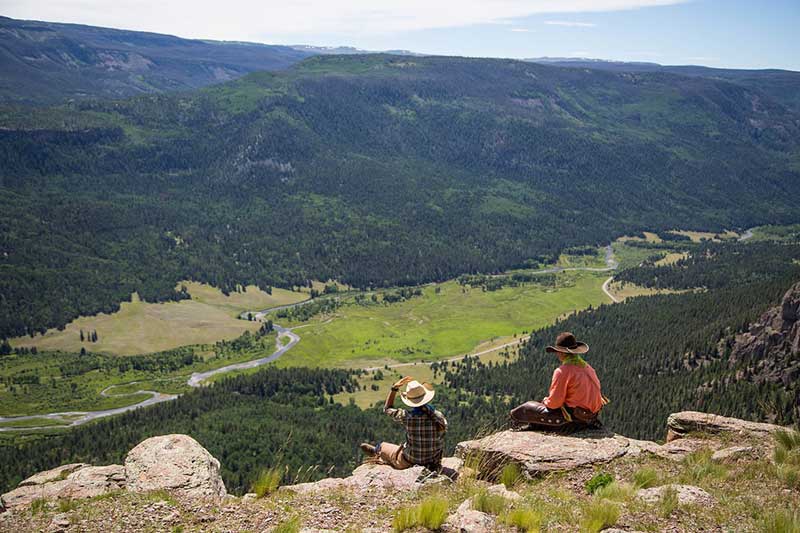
714, 33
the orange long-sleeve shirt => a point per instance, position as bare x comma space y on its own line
575, 386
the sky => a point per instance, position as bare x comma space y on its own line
717, 33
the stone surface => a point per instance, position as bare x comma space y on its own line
687, 494
537, 452
59, 522
501, 490
176, 463
679, 424
55, 474
376, 477
467, 520
85, 482
732, 454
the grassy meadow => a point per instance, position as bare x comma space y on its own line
447, 320
142, 327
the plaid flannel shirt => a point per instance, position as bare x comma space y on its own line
424, 434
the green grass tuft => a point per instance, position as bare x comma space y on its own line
511, 475
39, 505
405, 518
599, 514
698, 466
485, 502
668, 502
288, 526
646, 478
267, 482
599, 480
617, 492
430, 514
66, 505
787, 457
781, 521
526, 520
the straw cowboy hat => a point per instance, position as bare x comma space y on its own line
566, 343
417, 394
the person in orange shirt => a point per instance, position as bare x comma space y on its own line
574, 400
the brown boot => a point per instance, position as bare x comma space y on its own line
368, 449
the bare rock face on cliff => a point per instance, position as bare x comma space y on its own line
771, 347
176, 463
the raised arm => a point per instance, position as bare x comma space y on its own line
393, 392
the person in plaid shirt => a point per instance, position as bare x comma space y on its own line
425, 428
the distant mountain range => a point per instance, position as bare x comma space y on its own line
46, 62
782, 85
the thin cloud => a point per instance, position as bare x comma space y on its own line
570, 24
281, 21
521, 30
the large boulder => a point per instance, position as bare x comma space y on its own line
67, 482
176, 463
537, 452
680, 424
373, 476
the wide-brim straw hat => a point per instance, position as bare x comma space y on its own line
566, 343
417, 394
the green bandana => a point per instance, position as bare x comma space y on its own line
574, 359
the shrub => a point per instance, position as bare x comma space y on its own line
485, 502
267, 482
526, 520
645, 478
599, 514
781, 521
599, 480
668, 502
511, 475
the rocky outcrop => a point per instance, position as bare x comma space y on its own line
176, 463
537, 453
180, 465
369, 477
67, 482
770, 349
680, 424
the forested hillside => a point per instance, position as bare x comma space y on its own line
375, 170
47, 62
654, 355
